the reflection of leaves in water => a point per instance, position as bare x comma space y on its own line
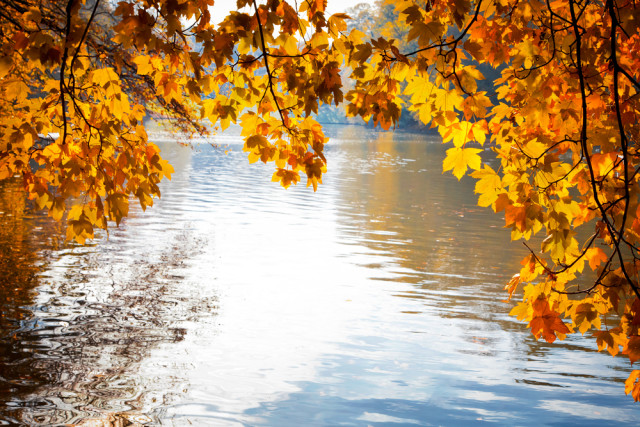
22, 246
76, 355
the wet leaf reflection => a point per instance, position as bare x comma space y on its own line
73, 338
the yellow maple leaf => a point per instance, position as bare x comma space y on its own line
145, 66
459, 159
489, 185
104, 76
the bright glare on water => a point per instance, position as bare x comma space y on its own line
376, 301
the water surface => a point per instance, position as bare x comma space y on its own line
375, 301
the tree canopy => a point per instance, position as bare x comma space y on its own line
553, 142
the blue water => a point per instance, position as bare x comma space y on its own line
376, 301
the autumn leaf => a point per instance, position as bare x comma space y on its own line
546, 322
516, 216
586, 315
118, 206
104, 76
632, 385
459, 159
606, 340
489, 185
632, 349
512, 285
144, 64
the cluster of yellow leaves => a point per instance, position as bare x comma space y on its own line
72, 123
78, 79
278, 65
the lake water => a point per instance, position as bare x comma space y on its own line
376, 301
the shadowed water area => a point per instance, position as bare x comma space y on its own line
375, 301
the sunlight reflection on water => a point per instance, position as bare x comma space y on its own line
375, 301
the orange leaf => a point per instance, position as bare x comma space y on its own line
595, 256
632, 385
632, 349
546, 322
512, 285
